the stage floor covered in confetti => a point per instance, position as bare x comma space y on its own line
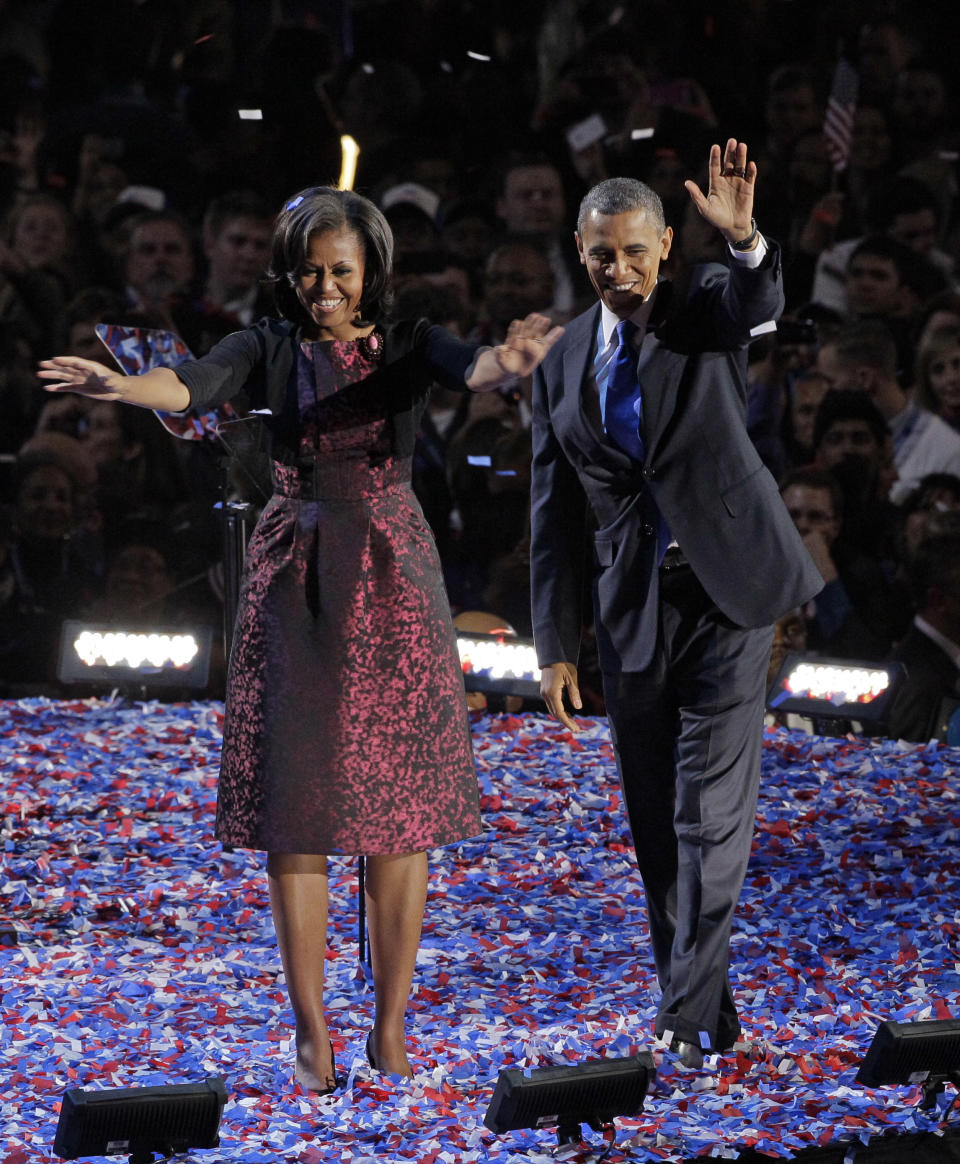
145, 954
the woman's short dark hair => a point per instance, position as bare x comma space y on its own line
322, 208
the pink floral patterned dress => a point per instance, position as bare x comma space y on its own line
346, 727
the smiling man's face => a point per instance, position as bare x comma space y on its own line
622, 254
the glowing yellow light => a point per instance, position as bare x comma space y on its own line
349, 152
117, 648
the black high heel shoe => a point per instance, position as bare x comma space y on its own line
392, 1075
337, 1081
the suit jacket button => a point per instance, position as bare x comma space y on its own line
647, 530
647, 472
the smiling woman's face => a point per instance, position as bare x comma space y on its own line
330, 283
622, 254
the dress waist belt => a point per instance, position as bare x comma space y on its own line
331, 478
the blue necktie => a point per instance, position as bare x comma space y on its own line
621, 407
621, 403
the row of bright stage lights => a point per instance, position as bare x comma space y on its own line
177, 1118
824, 691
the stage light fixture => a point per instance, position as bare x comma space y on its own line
502, 663
591, 1093
910, 1054
835, 689
140, 1121
124, 656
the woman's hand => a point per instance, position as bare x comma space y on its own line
160, 388
86, 377
728, 203
528, 341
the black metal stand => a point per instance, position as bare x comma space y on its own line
235, 519
570, 1133
362, 942
934, 1086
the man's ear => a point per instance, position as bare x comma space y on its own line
583, 257
666, 241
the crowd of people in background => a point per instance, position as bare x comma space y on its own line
144, 150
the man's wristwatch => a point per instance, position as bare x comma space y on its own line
746, 243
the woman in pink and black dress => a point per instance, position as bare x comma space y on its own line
345, 728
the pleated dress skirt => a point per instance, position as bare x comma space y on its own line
346, 728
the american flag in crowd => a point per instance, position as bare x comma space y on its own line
841, 106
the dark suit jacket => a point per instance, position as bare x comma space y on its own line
700, 470
931, 680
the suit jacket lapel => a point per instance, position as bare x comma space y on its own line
576, 359
660, 377
660, 372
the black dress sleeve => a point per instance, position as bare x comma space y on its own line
448, 357
223, 372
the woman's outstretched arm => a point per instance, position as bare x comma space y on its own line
159, 388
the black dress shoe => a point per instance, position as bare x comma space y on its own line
689, 1054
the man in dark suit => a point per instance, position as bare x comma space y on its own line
694, 556
930, 650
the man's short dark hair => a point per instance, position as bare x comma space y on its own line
914, 270
620, 196
847, 404
148, 217
524, 244
235, 204
95, 305
867, 341
813, 477
901, 194
788, 78
417, 298
520, 160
